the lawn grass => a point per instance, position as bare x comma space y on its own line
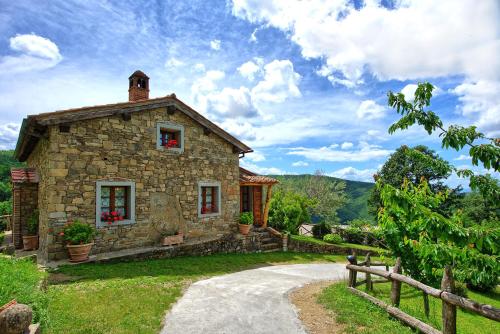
20, 280
361, 316
305, 238
132, 297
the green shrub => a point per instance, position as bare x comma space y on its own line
288, 210
32, 223
333, 238
2, 236
78, 233
246, 218
321, 229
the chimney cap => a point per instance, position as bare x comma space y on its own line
138, 73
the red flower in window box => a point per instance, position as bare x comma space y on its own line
111, 217
171, 143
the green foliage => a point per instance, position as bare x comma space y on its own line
415, 164
482, 149
328, 193
288, 210
321, 228
478, 210
333, 238
32, 223
426, 240
6, 207
7, 161
78, 233
246, 218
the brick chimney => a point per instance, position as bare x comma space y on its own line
138, 88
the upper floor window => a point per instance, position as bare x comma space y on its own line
170, 137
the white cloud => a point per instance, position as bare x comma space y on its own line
173, 62
462, 157
415, 39
242, 130
199, 67
8, 135
351, 173
364, 152
255, 156
250, 68
369, 110
481, 102
279, 83
253, 36
215, 44
36, 53
203, 86
300, 164
261, 170
231, 102
346, 145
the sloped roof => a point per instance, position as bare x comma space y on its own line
248, 177
34, 126
24, 175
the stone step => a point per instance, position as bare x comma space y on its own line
268, 240
272, 250
270, 246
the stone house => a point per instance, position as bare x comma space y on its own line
157, 164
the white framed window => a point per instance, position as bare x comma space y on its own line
209, 199
115, 203
170, 137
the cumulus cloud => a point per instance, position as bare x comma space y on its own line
481, 102
462, 157
346, 145
35, 53
280, 82
215, 44
415, 39
242, 130
255, 156
8, 135
351, 173
300, 164
235, 102
261, 170
250, 68
363, 152
369, 110
173, 63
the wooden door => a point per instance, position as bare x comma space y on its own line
257, 205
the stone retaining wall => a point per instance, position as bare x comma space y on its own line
309, 247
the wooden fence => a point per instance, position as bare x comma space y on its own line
450, 301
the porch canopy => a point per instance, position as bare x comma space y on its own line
255, 183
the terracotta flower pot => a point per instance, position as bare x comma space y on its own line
30, 242
79, 253
244, 228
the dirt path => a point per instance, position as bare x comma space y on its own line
314, 316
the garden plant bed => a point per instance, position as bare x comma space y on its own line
308, 244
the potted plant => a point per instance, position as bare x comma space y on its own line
79, 237
30, 241
246, 220
173, 239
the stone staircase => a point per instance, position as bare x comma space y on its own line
268, 242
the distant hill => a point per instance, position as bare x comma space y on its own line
357, 193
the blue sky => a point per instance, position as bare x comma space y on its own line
303, 83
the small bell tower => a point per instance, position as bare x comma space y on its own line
138, 87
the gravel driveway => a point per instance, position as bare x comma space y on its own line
252, 301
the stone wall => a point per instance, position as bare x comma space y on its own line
25, 202
110, 148
309, 247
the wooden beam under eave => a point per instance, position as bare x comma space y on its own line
266, 206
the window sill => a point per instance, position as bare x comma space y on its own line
118, 223
208, 215
177, 150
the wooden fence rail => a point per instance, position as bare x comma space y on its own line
450, 301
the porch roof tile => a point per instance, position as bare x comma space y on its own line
24, 175
248, 177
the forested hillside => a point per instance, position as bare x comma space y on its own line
357, 195
6, 162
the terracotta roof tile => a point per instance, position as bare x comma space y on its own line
24, 175
247, 176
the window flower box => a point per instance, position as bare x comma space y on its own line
171, 240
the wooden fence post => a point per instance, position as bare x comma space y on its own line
426, 304
369, 285
449, 311
396, 286
352, 273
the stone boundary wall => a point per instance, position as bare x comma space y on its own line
309, 247
229, 243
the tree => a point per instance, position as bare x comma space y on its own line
329, 195
410, 219
413, 164
288, 210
